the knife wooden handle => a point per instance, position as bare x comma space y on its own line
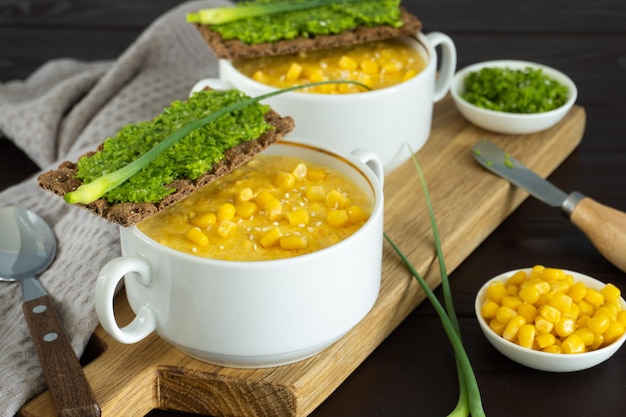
64, 375
605, 227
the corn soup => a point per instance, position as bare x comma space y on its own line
273, 207
377, 64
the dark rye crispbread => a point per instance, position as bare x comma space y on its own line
235, 49
63, 179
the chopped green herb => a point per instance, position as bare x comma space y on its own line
122, 163
190, 157
507, 161
526, 90
331, 17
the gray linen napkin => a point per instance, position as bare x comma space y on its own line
64, 109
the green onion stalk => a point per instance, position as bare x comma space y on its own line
219, 15
469, 394
90, 192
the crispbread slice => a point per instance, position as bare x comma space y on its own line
235, 49
63, 179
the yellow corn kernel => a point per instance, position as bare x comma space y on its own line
553, 349
369, 66
553, 274
561, 302
512, 289
528, 311
517, 278
300, 172
559, 286
512, 327
598, 341
573, 344
347, 63
585, 308
530, 294
497, 326
511, 301
365, 79
526, 336
565, 326
577, 291
246, 209
594, 297
196, 236
582, 321
263, 197
598, 323
536, 271
285, 180
505, 314
226, 212
298, 217
542, 325
550, 313
621, 317
245, 194
271, 238
316, 75
409, 74
607, 311
204, 221
337, 200
496, 290
273, 209
294, 71
586, 335
337, 218
315, 174
392, 67
356, 214
225, 228
613, 332
348, 88
545, 339
489, 309
261, 77
574, 311
315, 193
610, 292
293, 242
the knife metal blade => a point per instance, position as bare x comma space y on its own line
500, 162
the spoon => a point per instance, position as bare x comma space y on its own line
27, 247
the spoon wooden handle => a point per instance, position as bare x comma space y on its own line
605, 227
64, 375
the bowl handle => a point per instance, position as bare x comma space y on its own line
372, 161
448, 63
144, 322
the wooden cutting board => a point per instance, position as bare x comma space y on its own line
469, 203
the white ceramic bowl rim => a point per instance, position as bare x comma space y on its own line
556, 357
376, 211
516, 64
419, 38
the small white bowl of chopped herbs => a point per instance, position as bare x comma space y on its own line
513, 97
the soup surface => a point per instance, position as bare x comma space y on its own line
273, 207
377, 64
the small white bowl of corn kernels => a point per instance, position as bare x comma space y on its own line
552, 319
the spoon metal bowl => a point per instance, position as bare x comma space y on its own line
27, 248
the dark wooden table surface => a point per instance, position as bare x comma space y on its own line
412, 373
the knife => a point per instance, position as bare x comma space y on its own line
604, 226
